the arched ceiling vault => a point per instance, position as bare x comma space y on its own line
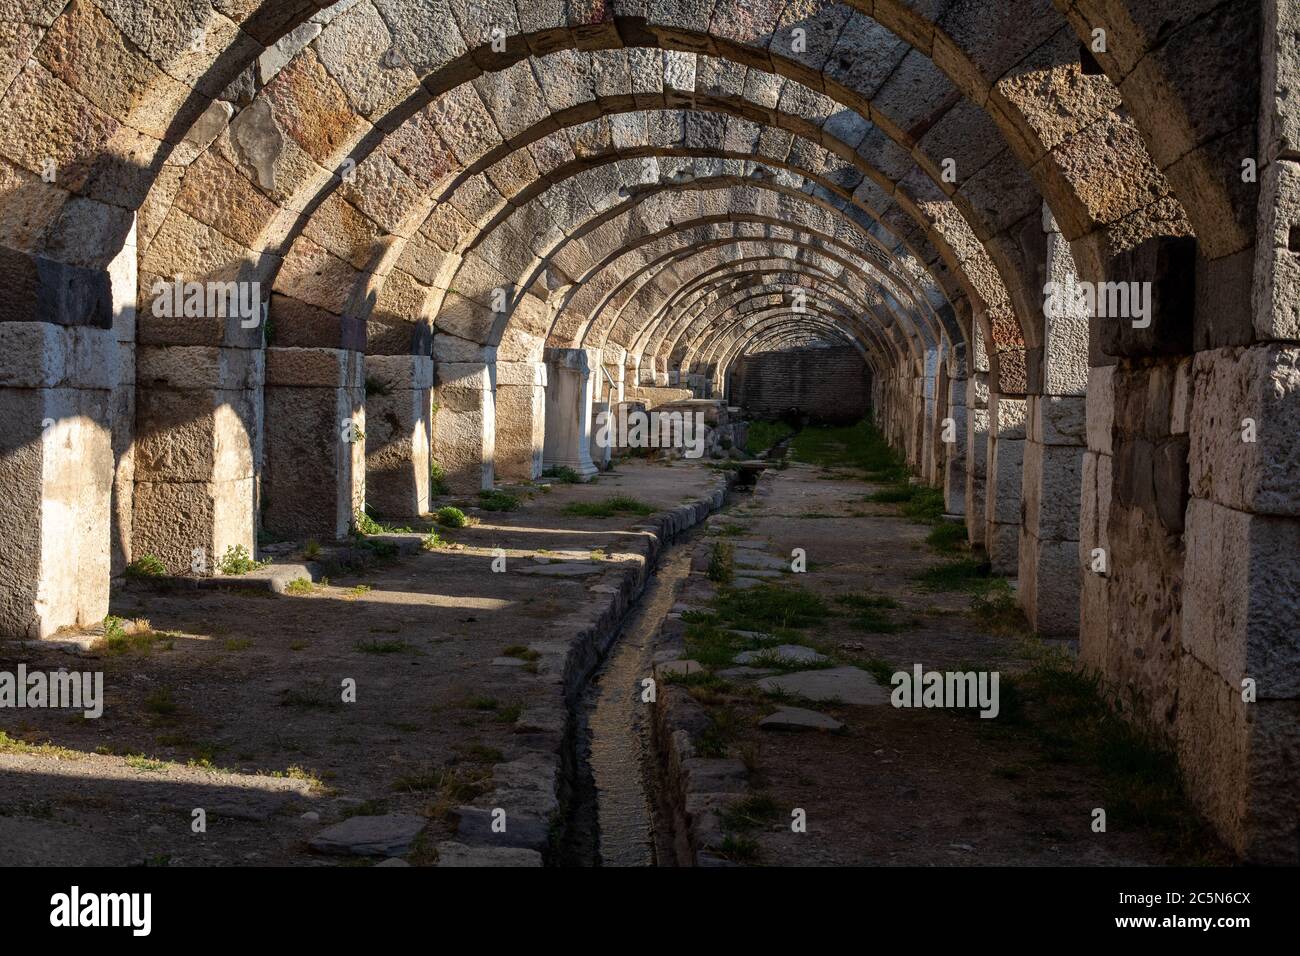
408, 95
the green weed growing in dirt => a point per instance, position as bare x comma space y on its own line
237, 561
146, 566
451, 517
722, 562
617, 505
497, 501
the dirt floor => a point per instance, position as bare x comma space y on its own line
911, 786
232, 701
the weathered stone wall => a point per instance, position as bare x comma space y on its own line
825, 384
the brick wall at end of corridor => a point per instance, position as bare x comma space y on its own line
827, 385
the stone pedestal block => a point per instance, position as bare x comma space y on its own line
56, 476
521, 419
313, 481
464, 427
1006, 443
198, 415
569, 391
399, 431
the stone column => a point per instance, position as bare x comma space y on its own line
954, 463
123, 274
56, 474
198, 420
464, 426
521, 419
399, 428
569, 392
313, 481
929, 408
1006, 457
1049, 574
1094, 518
977, 452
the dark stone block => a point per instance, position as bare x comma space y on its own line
1134, 474
45, 290
1169, 265
1224, 315
1171, 482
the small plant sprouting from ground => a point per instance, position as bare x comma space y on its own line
299, 586
161, 702
497, 501
998, 612
451, 517
564, 475
610, 507
722, 562
435, 542
311, 549
947, 537
121, 637
146, 566
237, 561
437, 479
965, 574
520, 652
868, 612
365, 525
756, 810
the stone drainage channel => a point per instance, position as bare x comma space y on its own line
615, 816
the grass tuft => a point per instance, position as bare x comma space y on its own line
609, 508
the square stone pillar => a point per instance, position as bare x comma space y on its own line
569, 392
1094, 517
977, 452
198, 420
399, 431
1049, 574
1050, 579
56, 475
954, 462
1006, 457
1240, 597
928, 465
464, 426
521, 419
601, 454
314, 478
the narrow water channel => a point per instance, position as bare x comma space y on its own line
614, 752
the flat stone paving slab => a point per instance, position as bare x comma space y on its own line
451, 853
794, 653
389, 835
849, 685
800, 718
521, 830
